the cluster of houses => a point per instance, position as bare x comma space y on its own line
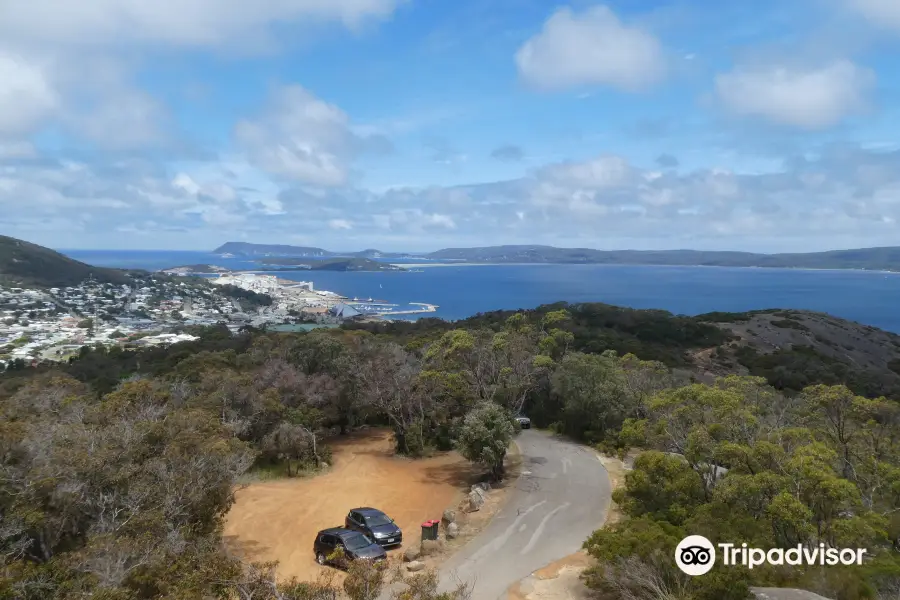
55, 324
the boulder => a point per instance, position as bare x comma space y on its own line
430, 547
411, 553
483, 486
452, 531
414, 566
449, 516
476, 501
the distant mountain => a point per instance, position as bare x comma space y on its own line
259, 250
250, 250
886, 259
29, 265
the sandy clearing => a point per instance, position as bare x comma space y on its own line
278, 520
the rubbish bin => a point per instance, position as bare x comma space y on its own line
430, 530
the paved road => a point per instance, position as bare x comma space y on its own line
562, 496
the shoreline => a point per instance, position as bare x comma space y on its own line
513, 264
550, 264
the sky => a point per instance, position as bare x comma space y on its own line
414, 125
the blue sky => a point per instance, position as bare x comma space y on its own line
420, 124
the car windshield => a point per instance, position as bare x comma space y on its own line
378, 520
357, 542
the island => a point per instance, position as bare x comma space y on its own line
873, 259
332, 264
289, 264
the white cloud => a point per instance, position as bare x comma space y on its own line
590, 48
844, 197
806, 98
26, 95
883, 13
300, 138
191, 23
600, 172
120, 118
74, 63
440, 221
340, 224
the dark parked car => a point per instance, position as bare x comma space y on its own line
375, 524
355, 545
524, 422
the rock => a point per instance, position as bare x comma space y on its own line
449, 516
476, 501
452, 531
414, 566
411, 553
483, 486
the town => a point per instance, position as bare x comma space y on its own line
54, 324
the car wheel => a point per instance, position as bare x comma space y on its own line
320, 558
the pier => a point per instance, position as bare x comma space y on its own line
426, 308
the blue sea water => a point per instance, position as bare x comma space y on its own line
868, 297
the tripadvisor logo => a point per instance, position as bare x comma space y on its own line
696, 555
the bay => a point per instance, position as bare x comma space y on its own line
869, 297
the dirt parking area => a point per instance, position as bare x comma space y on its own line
278, 520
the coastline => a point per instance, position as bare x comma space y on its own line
548, 264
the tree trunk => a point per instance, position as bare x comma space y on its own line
402, 446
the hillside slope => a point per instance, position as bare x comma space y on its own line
796, 348
790, 348
26, 264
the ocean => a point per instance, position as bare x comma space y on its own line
869, 297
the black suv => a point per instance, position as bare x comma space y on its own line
374, 524
354, 544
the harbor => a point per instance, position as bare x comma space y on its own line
302, 299
386, 309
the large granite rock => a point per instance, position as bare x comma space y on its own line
452, 531
414, 566
411, 553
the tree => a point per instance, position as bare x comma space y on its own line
425, 585
388, 374
485, 436
593, 395
365, 579
291, 443
103, 492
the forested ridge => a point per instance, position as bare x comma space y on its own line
117, 468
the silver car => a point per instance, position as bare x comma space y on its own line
524, 422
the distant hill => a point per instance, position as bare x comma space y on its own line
268, 250
887, 259
791, 349
880, 259
796, 348
29, 265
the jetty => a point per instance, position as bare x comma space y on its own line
426, 308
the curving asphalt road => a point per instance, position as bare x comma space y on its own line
562, 495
